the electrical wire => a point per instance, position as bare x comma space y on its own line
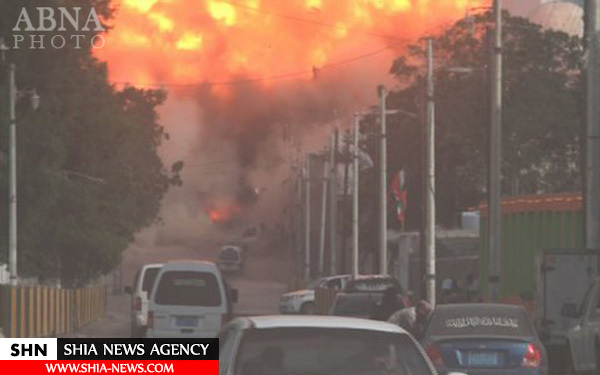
312, 22
263, 79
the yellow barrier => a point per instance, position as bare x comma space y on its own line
48, 312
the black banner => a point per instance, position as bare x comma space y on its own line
138, 349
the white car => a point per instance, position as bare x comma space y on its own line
584, 335
189, 299
230, 259
303, 301
307, 345
140, 291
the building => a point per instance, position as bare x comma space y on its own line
565, 15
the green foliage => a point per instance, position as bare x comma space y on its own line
89, 176
541, 120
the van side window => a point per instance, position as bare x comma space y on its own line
149, 277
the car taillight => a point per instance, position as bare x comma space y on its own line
150, 322
435, 354
137, 304
533, 357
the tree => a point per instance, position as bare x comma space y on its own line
89, 173
542, 114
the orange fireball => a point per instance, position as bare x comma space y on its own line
220, 41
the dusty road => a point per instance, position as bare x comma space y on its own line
259, 285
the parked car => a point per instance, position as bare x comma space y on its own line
189, 299
307, 345
303, 301
231, 259
484, 339
583, 337
357, 305
140, 292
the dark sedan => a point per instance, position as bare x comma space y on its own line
482, 339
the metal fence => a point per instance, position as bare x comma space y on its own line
36, 311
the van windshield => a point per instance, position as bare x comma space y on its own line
188, 288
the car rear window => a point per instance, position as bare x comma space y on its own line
229, 253
479, 321
149, 277
373, 285
188, 288
355, 306
328, 351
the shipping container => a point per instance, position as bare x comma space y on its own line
529, 224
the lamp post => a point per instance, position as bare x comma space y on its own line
14, 95
383, 269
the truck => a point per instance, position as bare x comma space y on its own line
562, 278
583, 338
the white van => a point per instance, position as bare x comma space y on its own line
230, 259
189, 299
140, 292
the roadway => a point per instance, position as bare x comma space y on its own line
259, 285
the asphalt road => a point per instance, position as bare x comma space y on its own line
259, 285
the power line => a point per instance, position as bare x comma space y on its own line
270, 78
312, 22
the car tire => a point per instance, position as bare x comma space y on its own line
308, 308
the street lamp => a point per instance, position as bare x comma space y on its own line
14, 95
383, 112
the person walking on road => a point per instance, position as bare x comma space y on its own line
413, 319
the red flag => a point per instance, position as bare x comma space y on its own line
400, 194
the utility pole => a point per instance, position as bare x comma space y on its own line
383, 264
323, 217
12, 177
12, 165
495, 169
344, 253
430, 180
333, 205
307, 220
355, 194
592, 136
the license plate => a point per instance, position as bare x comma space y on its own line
187, 321
483, 359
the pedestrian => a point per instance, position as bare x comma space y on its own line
388, 305
413, 319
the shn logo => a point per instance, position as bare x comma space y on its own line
61, 20
29, 350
